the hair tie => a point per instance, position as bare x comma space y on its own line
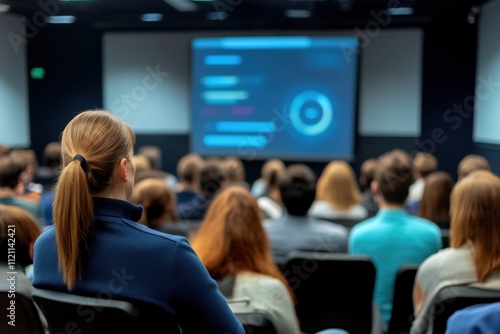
83, 162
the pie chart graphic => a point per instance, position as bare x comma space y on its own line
311, 113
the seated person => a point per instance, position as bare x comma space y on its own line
96, 246
260, 187
474, 255
393, 237
233, 246
188, 173
423, 165
296, 230
17, 228
337, 194
212, 180
476, 319
12, 187
235, 170
471, 163
435, 202
365, 180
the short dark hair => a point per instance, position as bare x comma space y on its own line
10, 171
212, 177
394, 175
298, 189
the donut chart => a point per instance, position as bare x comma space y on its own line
311, 113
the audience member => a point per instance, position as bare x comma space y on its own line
393, 237
12, 186
296, 230
188, 172
212, 180
47, 176
18, 233
271, 167
154, 155
142, 166
365, 180
474, 255
157, 200
233, 245
435, 202
96, 238
235, 171
338, 195
270, 203
475, 319
423, 165
471, 163
27, 158
47, 173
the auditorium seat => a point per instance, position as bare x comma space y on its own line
402, 303
332, 290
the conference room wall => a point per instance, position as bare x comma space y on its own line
72, 58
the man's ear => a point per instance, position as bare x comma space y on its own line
122, 170
374, 187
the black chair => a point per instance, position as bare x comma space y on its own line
66, 312
346, 222
402, 302
451, 299
256, 323
332, 290
445, 237
25, 314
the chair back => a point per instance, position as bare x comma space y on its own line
402, 303
67, 312
453, 298
332, 290
21, 317
256, 323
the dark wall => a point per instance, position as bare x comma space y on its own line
71, 56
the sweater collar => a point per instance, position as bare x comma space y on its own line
117, 208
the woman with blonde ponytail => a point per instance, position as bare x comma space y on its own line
97, 247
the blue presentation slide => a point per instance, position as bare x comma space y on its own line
292, 98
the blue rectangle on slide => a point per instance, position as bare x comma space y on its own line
302, 107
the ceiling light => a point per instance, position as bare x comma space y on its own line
216, 16
4, 8
298, 13
151, 17
182, 5
400, 10
61, 19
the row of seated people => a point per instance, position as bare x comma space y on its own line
104, 222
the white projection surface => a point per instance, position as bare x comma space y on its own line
487, 95
14, 116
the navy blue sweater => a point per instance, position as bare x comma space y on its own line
130, 261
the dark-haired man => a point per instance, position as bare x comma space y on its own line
296, 230
393, 237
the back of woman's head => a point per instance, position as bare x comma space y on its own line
158, 200
435, 202
92, 144
338, 186
18, 232
235, 170
271, 170
475, 217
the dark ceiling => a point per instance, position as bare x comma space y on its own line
189, 14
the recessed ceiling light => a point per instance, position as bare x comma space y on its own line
182, 5
151, 17
400, 10
298, 13
61, 19
4, 8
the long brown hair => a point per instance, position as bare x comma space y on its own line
435, 202
102, 139
475, 217
25, 229
158, 200
338, 186
232, 239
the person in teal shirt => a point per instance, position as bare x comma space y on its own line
393, 237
